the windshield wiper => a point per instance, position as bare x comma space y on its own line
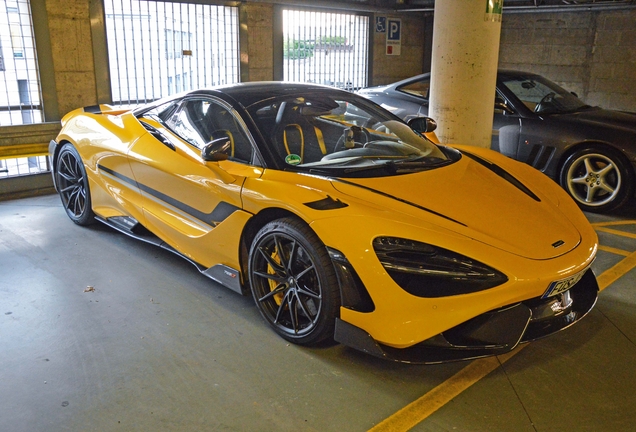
420, 163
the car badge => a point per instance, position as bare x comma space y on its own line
292, 159
556, 244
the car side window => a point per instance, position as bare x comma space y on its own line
529, 91
200, 121
419, 88
501, 104
163, 111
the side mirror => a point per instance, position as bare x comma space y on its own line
423, 124
501, 105
217, 149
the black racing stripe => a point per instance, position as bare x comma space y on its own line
93, 109
222, 211
503, 174
118, 175
399, 199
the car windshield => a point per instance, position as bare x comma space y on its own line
541, 95
342, 134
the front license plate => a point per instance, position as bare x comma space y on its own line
557, 287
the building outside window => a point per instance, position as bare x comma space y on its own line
20, 92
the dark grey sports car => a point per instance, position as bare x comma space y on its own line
590, 151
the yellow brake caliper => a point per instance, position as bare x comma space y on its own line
278, 298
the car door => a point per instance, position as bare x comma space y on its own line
193, 205
538, 134
506, 126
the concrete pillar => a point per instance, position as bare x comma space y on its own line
464, 69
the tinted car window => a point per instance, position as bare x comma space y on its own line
163, 111
200, 121
189, 122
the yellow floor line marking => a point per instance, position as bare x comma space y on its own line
613, 250
420, 409
610, 275
614, 223
617, 232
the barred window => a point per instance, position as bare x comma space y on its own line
326, 48
20, 92
158, 48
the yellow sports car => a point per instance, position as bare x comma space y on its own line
342, 221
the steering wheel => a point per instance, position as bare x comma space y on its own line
350, 139
544, 102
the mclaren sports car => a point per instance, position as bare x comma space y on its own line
343, 222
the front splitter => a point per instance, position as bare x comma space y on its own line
492, 333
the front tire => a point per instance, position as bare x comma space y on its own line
598, 178
72, 184
293, 282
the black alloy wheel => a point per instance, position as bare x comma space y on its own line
598, 178
72, 184
293, 282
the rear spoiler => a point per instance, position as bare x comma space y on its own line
104, 109
95, 109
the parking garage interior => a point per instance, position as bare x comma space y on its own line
103, 332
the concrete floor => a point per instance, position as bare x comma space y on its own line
159, 347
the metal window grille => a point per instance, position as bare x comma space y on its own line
158, 48
20, 92
326, 48
23, 166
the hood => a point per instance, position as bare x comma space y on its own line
605, 117
481, 202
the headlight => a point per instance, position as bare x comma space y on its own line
430, 271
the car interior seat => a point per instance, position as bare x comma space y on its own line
223, 123
295, 134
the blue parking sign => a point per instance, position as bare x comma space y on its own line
394, 29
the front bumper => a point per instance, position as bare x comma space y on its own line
492, 333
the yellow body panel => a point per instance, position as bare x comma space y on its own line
105, 139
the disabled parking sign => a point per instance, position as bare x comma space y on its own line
380, 24
393, 36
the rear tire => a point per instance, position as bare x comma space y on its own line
598, 178
72, 185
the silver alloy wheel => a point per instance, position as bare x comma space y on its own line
594, 179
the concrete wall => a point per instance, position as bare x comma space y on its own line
72, 52
260, 46
388, 69
592, 54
